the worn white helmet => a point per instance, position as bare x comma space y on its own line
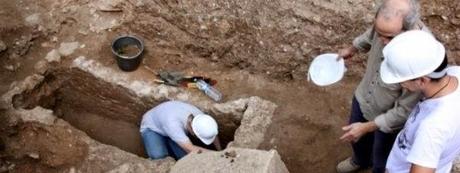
205, 128
411, 55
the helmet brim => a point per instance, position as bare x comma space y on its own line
388, 76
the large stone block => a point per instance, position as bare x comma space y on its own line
256, 120
232, 160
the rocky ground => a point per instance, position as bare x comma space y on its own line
253, 48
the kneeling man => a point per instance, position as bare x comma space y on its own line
164, 130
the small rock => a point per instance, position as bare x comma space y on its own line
444, 17
41, 66
3, 46
317, 19
272, 141
214, 57
41, 28
54, 39
65, 10
53, 55
140, 3
11, 166
33, 19
69, 9
34, 155
455, 22
203, 27
83, 31
109, 5
67, 49
38, 114
13, 56
45, 44
12, 67
231, 154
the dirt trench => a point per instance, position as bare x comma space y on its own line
108, 113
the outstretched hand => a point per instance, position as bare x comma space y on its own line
347, 53
356, 130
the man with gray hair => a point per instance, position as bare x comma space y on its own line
378, 110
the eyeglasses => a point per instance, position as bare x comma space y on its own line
386, 37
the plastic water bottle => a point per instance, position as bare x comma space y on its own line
209, 90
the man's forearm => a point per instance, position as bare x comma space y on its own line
363, 42
371, 126
420, 169
217, 144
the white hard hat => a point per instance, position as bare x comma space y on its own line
326, 70
411, 55
205, 128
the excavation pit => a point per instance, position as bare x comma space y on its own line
108, 113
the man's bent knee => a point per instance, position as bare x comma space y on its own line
157, 154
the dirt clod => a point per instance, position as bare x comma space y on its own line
231, 154
2, 46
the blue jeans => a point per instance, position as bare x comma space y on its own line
158, 146
372, 149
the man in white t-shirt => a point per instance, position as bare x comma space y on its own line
430, 139
164, 130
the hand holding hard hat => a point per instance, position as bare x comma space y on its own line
347, 53
326, 69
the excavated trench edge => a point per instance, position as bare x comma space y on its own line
50, 91
106, 112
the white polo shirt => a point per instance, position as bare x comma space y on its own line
170, 119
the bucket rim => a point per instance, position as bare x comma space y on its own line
127, 36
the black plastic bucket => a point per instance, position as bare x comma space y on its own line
128, 51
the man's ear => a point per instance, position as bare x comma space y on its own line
424, 81
189, 125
